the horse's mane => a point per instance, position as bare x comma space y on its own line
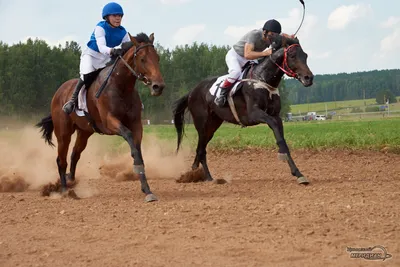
142, 38
290, 41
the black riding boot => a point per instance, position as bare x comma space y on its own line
70, 105
221, 99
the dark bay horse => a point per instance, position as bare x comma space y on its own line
257, 101
116, 112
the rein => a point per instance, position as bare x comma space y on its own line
140, 76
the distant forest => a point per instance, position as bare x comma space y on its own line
343, 86
31, 72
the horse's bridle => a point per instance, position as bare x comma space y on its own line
139, 76
285, 66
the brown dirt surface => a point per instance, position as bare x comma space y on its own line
260, 217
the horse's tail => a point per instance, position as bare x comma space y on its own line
47, 127
180, 106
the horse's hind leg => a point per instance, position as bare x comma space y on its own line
205, 129
80, 145
63, 129
63, 140
287, 157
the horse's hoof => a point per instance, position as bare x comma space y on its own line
195, 167
302, 180
72, 194
150, 198
70, 178
64, 191
283, 157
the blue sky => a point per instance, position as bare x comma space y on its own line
338, 35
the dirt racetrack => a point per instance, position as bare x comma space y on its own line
261, 217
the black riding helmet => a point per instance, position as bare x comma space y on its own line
272, 26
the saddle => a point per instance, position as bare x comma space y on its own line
81, 102
246, 69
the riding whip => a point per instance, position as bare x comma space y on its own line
304, 11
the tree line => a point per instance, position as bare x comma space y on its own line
379, 84
31, 72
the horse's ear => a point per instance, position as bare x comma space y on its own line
151, 37
134, 41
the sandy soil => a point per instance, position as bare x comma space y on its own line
261, 217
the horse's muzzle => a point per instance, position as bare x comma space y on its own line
306, 80
157, 88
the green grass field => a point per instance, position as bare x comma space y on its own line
374, 134
339, 106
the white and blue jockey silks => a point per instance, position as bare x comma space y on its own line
105, 37
98, 49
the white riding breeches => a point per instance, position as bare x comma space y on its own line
235, 64
90, 63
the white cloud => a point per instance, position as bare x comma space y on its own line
391, 43
390, 22
344, 15
188, 34
291, 23
388, 54
174, 2
238, 31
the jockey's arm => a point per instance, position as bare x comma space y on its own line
126, 38
100, 35
250, 54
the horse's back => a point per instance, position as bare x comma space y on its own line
204, 86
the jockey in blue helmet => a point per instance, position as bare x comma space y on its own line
107, 34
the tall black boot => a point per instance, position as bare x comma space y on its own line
221, 99
70, 105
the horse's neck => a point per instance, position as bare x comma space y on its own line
123, 76
268, 72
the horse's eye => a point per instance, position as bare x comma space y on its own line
142, 60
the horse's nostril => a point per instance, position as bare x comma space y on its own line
156, 87
306, 77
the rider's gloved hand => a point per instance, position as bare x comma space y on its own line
275, 46
277, 43
117, 52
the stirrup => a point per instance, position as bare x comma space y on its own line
222, 99
69, 107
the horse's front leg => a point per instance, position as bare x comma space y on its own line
134, 137
257, 115
287, 157
138, 163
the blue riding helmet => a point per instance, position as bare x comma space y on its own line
112, 9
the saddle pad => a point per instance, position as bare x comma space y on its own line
82, 106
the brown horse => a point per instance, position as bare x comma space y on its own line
117, 111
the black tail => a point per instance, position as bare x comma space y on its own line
47, 127
180, 106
